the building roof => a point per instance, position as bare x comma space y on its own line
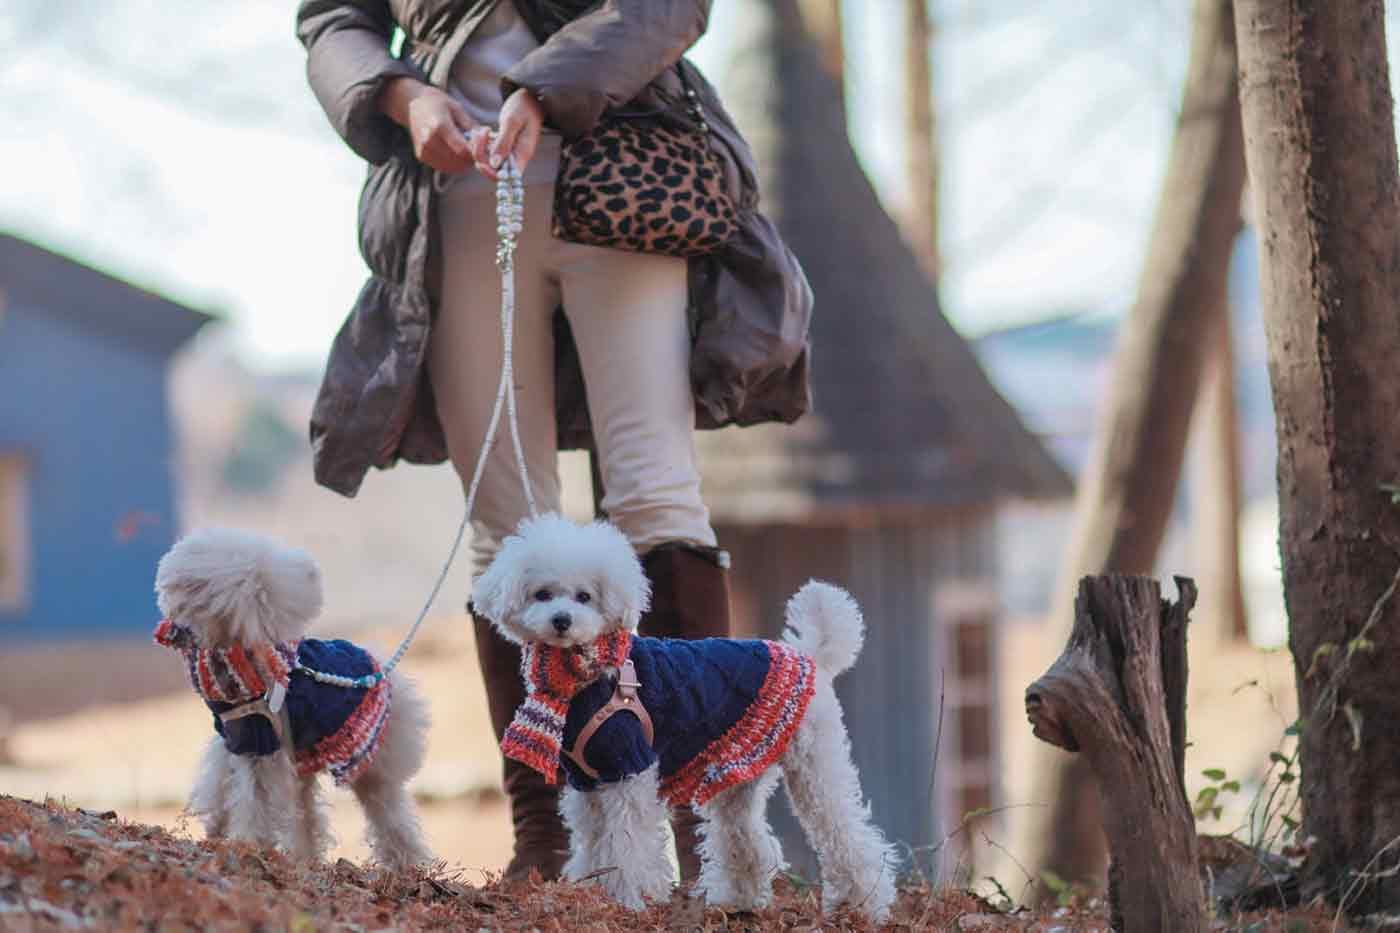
55, 284
904, 416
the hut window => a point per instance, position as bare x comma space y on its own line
975, 733
973, 644
974, 798
14, 533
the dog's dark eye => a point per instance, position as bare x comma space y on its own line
583, 598
543, 596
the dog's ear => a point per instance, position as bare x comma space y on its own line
244, 585
289, 591
496, 593
624, 587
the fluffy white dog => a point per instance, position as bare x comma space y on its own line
637, 723
236, 606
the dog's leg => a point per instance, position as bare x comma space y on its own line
209, 800
262, 800
313, 831
583, 815
395, 835
739, 853
630, 852
823, 786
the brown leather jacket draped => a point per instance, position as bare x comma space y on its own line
750, 305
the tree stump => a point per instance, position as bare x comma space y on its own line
1117, 695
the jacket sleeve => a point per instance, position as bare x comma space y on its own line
348, 62
606, 57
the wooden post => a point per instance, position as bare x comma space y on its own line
1117, 694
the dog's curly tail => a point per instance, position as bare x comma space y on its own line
824, 622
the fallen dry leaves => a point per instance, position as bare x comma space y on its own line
64, 868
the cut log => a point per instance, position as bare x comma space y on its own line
1117, 696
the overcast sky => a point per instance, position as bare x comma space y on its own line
176, 144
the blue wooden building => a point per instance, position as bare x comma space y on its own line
87, 497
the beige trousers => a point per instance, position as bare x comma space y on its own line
627, 312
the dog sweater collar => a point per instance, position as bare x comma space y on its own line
232, 674
553, 675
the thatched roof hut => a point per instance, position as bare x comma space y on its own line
891, 485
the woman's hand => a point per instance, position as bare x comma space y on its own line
437, 124
522, 121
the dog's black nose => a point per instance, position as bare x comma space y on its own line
561, 622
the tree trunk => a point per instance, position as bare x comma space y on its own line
1129, 485
1320, 140
1215, 511
921, 155
822, 19
1117, 696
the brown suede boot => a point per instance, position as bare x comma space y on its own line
689, 599
541, 842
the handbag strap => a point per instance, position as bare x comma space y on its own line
692, 99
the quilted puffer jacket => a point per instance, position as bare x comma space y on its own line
750, 305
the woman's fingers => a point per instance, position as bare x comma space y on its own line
522, 121
480, 144
460, 117
455, 144
526, 143
511, 125
438, 126
447, 150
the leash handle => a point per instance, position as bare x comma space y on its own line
510, 220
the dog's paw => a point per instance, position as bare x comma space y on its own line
634, 893
658, 888
722, 890
628, 895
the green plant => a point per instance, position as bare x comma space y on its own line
1272, 818
1207, 803
1066, 893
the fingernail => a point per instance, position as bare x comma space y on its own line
495, 160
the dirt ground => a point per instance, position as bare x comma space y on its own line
63, 869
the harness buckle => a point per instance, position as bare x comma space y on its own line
270, 706
625, 699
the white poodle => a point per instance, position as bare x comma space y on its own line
711, 723
236, 606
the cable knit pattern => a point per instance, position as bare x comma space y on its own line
724, 710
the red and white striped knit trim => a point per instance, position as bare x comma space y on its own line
230, 674
755, 742
348, 751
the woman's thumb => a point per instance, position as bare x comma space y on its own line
460, 117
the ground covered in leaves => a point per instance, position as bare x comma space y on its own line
63, 868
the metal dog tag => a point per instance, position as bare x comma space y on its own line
276, 697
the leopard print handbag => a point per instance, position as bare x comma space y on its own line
645, 183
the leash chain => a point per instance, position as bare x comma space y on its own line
510, 220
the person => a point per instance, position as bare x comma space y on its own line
623, 353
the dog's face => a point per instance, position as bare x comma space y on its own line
559, 583
231, 586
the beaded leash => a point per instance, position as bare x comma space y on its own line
510, 219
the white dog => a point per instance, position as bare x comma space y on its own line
236, 606
711, 723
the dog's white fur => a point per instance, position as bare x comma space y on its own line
231, 586
618, 832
